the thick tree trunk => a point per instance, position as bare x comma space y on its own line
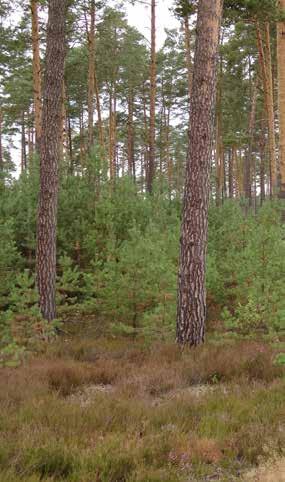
151, 154
281, 98
191, 311
91, 75
37, 82
49, 158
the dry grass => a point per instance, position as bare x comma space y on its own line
125, 436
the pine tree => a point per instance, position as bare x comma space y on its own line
191, 311
49, 158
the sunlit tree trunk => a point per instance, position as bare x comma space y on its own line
281, 98
49, 158
266, 73
37, 82
191, 310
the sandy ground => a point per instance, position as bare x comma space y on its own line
273, 472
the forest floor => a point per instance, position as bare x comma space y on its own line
109, 410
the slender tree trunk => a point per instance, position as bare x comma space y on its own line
266, 73
23, 144
99, 113
112, 133
248, 156
63, 130
146, 153
49, 158
219, 147
187, 36
231, 161
281, 98
91, 75
1, 144
262, 144
151, 155
37, 82
131, 154
191, 311
81, 137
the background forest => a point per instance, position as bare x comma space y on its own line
124, 133
117, 241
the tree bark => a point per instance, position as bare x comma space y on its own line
131, 153
23, 144
191, 311
266, 74
219, 147
151, 155
37, 80
281, 98
49, 158
187, 36
99, 113
91, 74
1, 144
248, 157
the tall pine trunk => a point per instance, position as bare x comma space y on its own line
37, 81
266, 74
187, 36
131, 152
91, 74
151, 154
191, 311
248, 156
49, 158
281, 98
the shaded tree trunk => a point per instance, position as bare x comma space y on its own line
23, 144
1, 144
231, 160
151, 154
191, 311
99, 113
219, 147
187, 36
91, 74
49, 158
262, 144
37, 82
248, 156
131, 153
